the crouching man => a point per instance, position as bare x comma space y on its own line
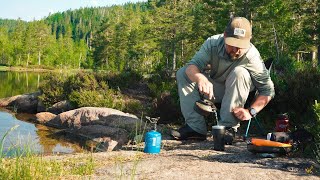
236, 68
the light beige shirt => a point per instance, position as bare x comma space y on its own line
213, 52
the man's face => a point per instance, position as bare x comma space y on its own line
235, 53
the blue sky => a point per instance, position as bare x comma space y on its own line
37, 9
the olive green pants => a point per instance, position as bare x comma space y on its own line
233, 92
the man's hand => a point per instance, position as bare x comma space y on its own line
205, 87
242, 114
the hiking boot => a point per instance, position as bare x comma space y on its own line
186, 133
229, 136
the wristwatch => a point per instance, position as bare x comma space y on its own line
253, 112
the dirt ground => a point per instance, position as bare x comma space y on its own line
197, 160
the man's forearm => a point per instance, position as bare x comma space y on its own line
194, 73
260, 102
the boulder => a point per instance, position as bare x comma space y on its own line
94, 116
26, 103
41, 107
4, 102
60, 107
103, 138
44, 117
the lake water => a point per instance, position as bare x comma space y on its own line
37, 138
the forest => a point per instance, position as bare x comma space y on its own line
158, 36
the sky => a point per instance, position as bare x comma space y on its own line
29, 10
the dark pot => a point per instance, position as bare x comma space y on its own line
204, 107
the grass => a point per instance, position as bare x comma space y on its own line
24, 164
37, 167
124, 171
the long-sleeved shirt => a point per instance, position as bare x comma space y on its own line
213, 53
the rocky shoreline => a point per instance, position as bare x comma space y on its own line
108, 129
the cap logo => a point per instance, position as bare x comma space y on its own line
239, 32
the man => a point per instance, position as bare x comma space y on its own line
236, 68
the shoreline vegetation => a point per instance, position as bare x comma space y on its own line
37, 69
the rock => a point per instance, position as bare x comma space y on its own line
41, 107
4, 102
104, 138
26, 103
93, 116
131, 124
107, 128
44, 117
60, 107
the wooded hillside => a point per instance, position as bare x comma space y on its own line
157, 34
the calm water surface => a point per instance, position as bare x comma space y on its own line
37, 138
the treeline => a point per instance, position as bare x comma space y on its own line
158, 34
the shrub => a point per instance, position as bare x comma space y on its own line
123, 79
134, 107
85, 81
295, 94
52, 90
82, 89
164, 90
95, 98
315, 130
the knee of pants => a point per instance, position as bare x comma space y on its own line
240, 73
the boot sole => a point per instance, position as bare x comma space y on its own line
190, 138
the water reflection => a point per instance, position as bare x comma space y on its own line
14, 83
37, 138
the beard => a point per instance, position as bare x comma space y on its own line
234, 56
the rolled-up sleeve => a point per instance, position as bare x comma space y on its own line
261, 77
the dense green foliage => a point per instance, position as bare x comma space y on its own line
156, 34
296, 89
86, 89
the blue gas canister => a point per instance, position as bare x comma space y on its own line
152, 138
152, 142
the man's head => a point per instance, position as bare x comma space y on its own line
237, 37
238, 32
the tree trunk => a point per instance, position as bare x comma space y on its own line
314, 58
276, 41
174, 58
38, 82
80, 60
182, 55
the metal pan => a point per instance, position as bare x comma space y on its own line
268, 149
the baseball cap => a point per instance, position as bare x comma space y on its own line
238, 32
